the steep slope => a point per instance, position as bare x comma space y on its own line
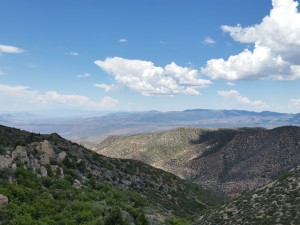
153, 148
247, 159
225, 160
50, 156
276, 203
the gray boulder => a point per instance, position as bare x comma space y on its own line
20, 153
43, 171
3, 200
61, 156
46, 150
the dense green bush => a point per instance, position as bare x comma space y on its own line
51, 200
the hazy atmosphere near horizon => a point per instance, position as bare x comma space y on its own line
138, 55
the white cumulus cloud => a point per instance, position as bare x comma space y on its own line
233, 96
107, 88
276, 53
10, 49
148, 79
23, 98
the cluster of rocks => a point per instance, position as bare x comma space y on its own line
35, 156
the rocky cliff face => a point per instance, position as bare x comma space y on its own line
230, 161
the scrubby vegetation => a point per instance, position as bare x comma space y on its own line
52, 200
276, 203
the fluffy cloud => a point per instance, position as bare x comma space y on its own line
148, 79
10, 49
233, 96
22, 93
276, 53
79, 100
106, 87
208, 41
23, 98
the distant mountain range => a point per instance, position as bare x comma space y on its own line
90, 129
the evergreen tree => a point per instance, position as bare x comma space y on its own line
114, 217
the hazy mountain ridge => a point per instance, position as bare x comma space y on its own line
88, 128
223, 160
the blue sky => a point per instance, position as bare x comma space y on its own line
149, 55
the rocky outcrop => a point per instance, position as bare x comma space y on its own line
3, 200
46, 151
58, 170
5, 161
43, 171
20, 153
61, 156
35, 156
